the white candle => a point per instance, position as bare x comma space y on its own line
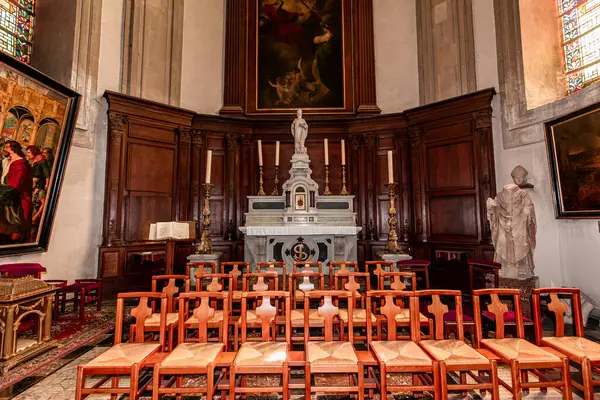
277, 153
343, 153
208, 165
326, 144
260, 164
390, 167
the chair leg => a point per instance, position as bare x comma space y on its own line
156, 383
383, 382
285, 383
586, 377
133, 386
80, 383
494, 378
232, 383
82, 305
515, 371
437, 390
114, 385
567, 389
99, 299
443, 381
525, 378
307, 385
361, 382
210, 381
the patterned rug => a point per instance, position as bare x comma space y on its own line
68, 335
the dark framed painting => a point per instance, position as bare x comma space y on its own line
37, 116
573, 143
299, 56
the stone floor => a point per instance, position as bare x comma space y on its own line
61, 383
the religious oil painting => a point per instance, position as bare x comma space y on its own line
300, 54
574, 155
37, 117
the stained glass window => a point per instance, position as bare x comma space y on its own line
16, 27
581, 41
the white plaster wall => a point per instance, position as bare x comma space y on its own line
76, 234
396, 63
567, 251
203, 55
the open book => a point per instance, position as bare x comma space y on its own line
172, 230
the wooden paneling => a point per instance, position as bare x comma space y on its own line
452, 216
451, 166
150, 168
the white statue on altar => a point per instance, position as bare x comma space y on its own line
299, 132
512, 223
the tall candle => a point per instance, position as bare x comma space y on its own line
326, 144
390, 167
208, 165
343, 153
277, 153
260, 164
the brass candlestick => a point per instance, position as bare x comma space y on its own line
392, 244
205, 244
326, 192
276, 190
261, 191
344, 191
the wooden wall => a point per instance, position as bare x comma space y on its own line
443, 158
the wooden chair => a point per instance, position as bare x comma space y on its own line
314, 266
418, 267
248, 284
266, 356
581, 351
204, 267
327, 356
273, 267
236, 269
396, 353
152, 324
479, 269
85, 291
340, 266
194, 356
454, 355
376, 268
125, 358
298, 284
519, 354
359, 284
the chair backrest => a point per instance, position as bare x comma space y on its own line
385, 303
396, 281
213, 282
266, 313
438, 309
168, 285
407, 264
140, 313
377, 267
314, 266
558, 304
272, 267
340, 266
236, 269
207, 304
356, 282
498, 309
264, 281
304, 281
204, 267
328, 310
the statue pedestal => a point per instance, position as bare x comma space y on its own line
212, 257
525, 286
394, 257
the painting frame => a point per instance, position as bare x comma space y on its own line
253, 106
52, 91
562, 173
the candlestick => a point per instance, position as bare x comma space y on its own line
276, 190
326, 192
390, 167
392, 244
344, 191
277, 153
343, 153
260, 163
326, 145
205, 246
261, 190
208, 165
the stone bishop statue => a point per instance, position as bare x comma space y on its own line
512, 223
299, 132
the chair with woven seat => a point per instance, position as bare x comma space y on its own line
273, 267
399, 353
340, 266
519, 354
375, 268
260, 282
455, 355
125, 358
314, 266
236, 269
204, 267
152, 323
298, 284
359, 284
581, 351
263, 355
197, 355
328, 356
419, 267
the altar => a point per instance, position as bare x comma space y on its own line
300, 224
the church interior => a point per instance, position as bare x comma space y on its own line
299, 199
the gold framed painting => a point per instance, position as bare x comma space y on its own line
37, 118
